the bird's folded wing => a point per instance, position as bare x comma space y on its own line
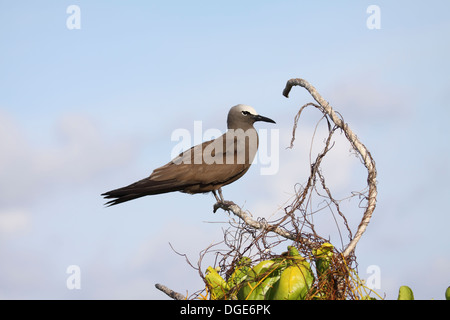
212, 162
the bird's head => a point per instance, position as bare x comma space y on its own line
242, 116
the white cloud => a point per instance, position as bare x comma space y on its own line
369, 99
14, 221
77, 153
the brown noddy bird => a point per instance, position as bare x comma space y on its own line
204, 167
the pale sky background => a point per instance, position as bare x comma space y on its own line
89, 110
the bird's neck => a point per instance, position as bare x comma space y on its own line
243, 141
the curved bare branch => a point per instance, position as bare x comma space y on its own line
360, 148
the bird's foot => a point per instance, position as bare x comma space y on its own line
223, 204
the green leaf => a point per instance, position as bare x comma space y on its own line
323, 257
241, 272
261, 279
405, 293
294, 283
217, 285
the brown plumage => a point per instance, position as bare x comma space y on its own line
205, 167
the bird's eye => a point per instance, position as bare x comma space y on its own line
245, 113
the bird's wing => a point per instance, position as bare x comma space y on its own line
220, 161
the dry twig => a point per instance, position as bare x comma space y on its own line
360, 148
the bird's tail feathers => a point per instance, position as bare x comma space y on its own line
141, 188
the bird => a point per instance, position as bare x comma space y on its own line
206, 167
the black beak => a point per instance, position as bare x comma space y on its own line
262, 118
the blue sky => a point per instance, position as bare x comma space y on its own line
85, 111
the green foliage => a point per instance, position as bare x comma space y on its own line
287, 277
323, 257
405, 293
